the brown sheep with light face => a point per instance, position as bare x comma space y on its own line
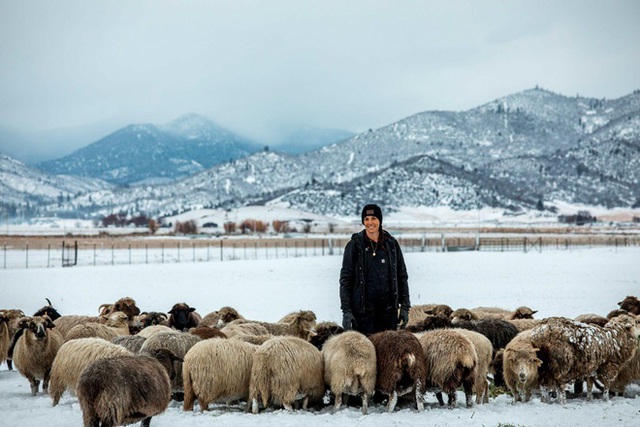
630, 304
520, 365
221, 317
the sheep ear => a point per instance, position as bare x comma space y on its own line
24, 322
534, 311
538, 362
48, 323
191, 309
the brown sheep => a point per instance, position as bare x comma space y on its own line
400, 366
35, 349
125, 305
520, 365
350, 367
220, 317
8, 327
205, 332
151, 318
526, 324
451, 361
324, 331
630, 372
592, 319
234, 329
630, 304
418, 312
127, 389
570, 350
522, 312
133, 343
286, 369
182, 317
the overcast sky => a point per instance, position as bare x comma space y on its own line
257, 67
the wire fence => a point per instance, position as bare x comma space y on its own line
68, 253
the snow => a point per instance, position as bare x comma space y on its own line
557, 283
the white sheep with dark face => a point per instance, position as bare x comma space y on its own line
35, 347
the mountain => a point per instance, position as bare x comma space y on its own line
23, 187
305, 139
150, 153
523, 151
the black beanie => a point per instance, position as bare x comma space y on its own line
372, 210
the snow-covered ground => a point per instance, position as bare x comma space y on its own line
553, 282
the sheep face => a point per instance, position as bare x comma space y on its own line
462, 314
49, 311
153, 318
180, 314
37, 326
523, 363
631, 323
524, 313
128, 306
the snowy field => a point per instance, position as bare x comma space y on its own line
554, 282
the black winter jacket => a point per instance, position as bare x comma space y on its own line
353, 295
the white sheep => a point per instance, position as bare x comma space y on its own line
36, 346
217, 370
350, 367
286, 369
149, 331
73, 357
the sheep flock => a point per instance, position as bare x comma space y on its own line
297, 363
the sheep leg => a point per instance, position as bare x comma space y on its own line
288, 407
305, 403
10, 364
254, 405
544, 394
34, 385
45, 381
439, 397
145, 422
589, 388
338, 402
393, 401
452, 399
365, 404
562, 395
527, 393
419, 397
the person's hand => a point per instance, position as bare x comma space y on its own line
403, 318
348, 321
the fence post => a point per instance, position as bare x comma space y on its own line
129, 253
193, 247
162, 246
94, 254
146, 253
48, 255
221, 250
27, 256
5, 256
113, 254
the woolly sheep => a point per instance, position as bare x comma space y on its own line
151, 318
8, 327
400, 366
253, 339
522, 312
126, 389
35, 349
630, 372
451, 361
126, 305
286, 369
418, 312
150, 331
592, 319
484, 351
237, 328
178, 343
350, 367
570, 350
133, 343
526, 324
217, 370
299, 324
221, 317
520, 365
116, 325
73, 357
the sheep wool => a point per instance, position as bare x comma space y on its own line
217, 370
286, 369
73, 357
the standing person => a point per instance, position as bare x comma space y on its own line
373, 279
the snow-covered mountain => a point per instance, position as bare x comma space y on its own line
23, 188
305, 139
522, 151
154, 154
